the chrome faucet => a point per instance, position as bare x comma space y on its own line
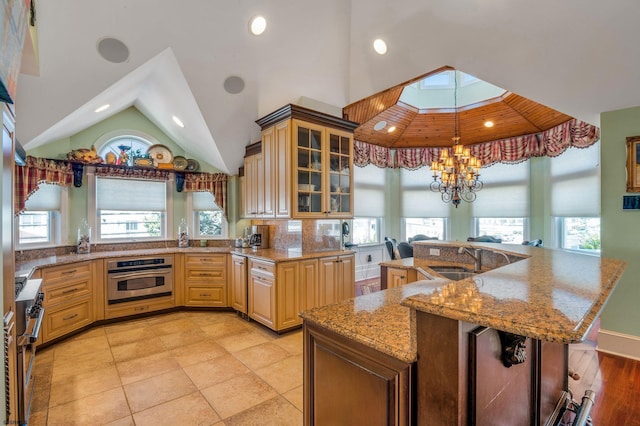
476, 255
505, 256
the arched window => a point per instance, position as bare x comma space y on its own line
132, 146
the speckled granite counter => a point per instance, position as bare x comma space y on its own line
550, 295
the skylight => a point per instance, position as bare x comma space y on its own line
437, 91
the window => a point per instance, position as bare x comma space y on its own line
369, 204
501, 208
423, 211
208, 220
511, 230
431, 227
366, 230
580, 234
40, 224
575, 198
128, 209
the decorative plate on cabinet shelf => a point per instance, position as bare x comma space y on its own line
192, 165
160, 154
179, 163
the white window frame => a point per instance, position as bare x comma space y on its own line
166, 232
194, 225
525, 226
446, 227
57, 226
378, 221
559, 226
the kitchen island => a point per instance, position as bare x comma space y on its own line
490, 349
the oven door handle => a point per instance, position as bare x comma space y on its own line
28, 338
146, 273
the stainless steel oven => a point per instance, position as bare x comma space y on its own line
138, 278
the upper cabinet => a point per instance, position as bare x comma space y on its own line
305, 166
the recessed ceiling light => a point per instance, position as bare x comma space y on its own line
391, 129
257, 25
380, 46
178, 121
380, 125
102, 108
488, 123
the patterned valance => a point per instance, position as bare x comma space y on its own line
215, 183
128, 173
36, 171
552, 142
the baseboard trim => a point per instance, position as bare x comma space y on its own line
619, 344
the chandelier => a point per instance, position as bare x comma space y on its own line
456, 174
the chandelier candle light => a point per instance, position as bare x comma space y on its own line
456, 174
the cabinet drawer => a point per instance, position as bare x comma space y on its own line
206, 295
66, 273
134, 308
205, 260
262, 267
60, 292
67, 318
207, 275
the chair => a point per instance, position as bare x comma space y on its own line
533, 243
484, 239
391, 247
421, 237
405, 249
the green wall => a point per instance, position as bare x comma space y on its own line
620, 229
128, 119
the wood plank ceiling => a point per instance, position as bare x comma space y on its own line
512, 115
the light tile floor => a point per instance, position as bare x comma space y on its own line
181, 368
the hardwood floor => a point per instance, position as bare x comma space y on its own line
618, 401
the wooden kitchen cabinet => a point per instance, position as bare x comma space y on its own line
68, 299
397, 277
307, 159
205, 279
336, 279
308, 279
262, 292
254, 186
238, 293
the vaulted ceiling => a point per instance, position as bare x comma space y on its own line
577, 57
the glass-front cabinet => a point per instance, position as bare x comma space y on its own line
323, 162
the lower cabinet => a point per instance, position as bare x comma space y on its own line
68, 298
262, 292
397, 277
238, 287
139, 307
205, 279
348, 383
336, 279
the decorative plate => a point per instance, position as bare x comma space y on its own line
179, 163
192, 165
160, 154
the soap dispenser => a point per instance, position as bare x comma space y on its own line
183, 234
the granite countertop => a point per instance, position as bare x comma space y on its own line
551, 295
27, 267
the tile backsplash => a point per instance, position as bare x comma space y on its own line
306, 235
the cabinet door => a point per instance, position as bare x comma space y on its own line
268, 177
339, 166
262, 299
288, 295
254, 188
282, 169
308, 277
308, 174
327, 281
239, 283
346, 276
396, 277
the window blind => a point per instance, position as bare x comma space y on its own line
575, 182
417, 199
369, 185
505, 192
130, 195
48, 197
203, 201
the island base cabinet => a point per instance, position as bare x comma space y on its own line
351, 384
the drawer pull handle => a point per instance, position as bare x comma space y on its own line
205, 274
205, 294
71, 272
69, 317
71, 290
141, 308
206, 260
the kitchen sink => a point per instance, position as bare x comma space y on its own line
448, 268
457, 275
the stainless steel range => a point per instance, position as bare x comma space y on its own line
29, 315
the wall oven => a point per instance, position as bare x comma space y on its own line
138, 278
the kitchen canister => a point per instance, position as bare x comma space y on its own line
183, 234
84, 238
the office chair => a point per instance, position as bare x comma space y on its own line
421, 237
391, 247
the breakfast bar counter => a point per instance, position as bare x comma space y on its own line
504, 333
